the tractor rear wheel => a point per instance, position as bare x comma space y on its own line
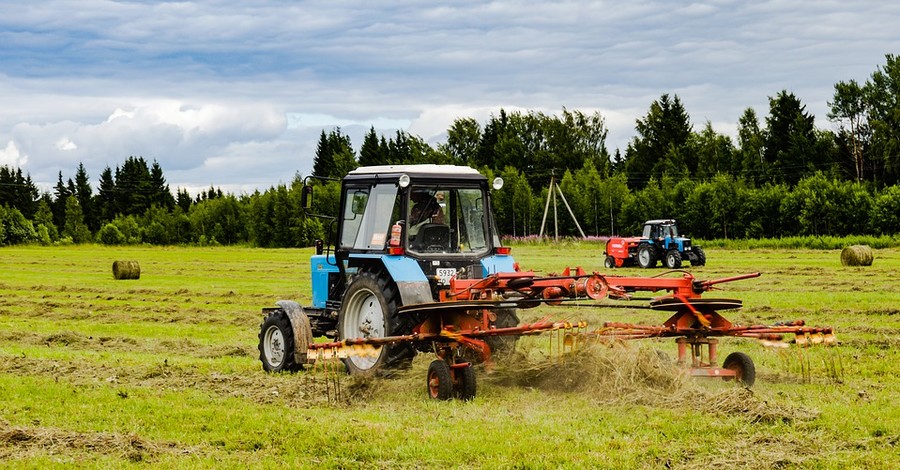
701, 257
369, 310
276, 343
742, 365
609, 262
440, 382
646, 256
673, 259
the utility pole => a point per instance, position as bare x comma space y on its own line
552, 194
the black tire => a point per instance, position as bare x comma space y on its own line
502, 346
609, 262
646, 256
276, 343
701, 257
439, 382
369, 310
673, 259
465, 383
743, 367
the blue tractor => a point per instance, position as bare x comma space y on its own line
401, 234
661, 242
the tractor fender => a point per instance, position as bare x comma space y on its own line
302, 330
497, 264
406, 274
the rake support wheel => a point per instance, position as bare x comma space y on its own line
440, 380
465, 383
742, 365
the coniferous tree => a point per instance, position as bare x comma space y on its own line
371, 153
160, 195
61, 194
183, 200
334, 155
84, 193
18, 191
105, 201
660, 146
751, 141
791, 141
323, 163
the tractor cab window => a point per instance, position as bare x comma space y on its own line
669, 231
368, 211
446, 220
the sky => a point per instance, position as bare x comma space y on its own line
235, 94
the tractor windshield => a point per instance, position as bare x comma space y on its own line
669, 231
445, 219
654, 231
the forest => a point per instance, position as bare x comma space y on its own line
784, 175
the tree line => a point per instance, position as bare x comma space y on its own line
782, 176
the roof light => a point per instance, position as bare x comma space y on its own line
404, 180
498, 183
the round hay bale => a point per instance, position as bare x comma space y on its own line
857, 255
126, 270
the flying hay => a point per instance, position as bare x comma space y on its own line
857, 255
126, 270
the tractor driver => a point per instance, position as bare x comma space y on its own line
426, 209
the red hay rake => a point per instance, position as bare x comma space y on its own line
456, 327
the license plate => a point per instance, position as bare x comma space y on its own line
444, 274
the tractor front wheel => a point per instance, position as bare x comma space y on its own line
440, 381
646, 256
276, 343
742, 365
673, 259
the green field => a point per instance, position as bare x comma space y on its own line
163, 371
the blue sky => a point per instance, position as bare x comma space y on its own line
235, 94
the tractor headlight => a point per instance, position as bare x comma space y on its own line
403, 181
498, 183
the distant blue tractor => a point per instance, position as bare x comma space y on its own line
661, 242
401, 233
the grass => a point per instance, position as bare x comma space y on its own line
162, 371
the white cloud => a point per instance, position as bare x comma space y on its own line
11, 157
66, 144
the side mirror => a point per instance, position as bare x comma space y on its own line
360, 198
306, 197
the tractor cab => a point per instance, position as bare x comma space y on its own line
665, 230
429, 219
